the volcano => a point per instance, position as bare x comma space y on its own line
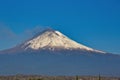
51, 40
52, 53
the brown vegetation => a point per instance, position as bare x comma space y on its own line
36, 77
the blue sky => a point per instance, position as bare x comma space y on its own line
95, 23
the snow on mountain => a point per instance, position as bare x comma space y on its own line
51, 39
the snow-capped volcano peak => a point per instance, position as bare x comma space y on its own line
51, 39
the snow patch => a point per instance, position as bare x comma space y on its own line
59, 33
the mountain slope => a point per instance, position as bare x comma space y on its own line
59, 64
52, 53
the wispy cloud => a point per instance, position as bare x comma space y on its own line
6, 33
35, 30
8, 38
